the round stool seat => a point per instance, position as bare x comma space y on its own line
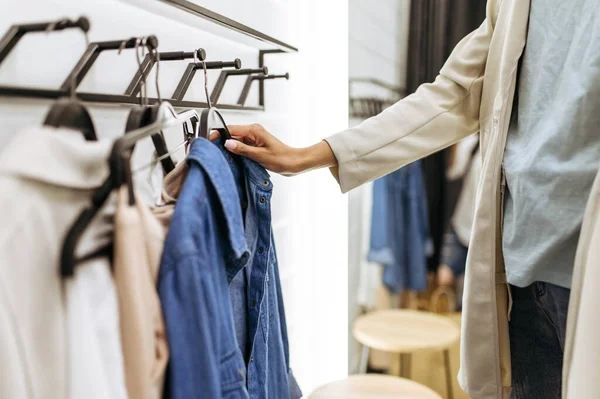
374, 386
405, 331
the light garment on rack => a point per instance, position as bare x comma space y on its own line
139, 239
57, 338
400, 228
204, 249
360, 202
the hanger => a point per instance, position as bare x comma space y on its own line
210, 118
120, 173
70, 113
144, 114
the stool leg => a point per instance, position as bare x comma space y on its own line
364, 360
405, 363
449, 389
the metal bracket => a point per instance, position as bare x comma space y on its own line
91, 54
16, 32
261, 78
150, 60
218, 89
261, 63
83, 66
190, 72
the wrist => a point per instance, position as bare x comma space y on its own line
316, 156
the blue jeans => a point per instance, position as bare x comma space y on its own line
454, 253
537, 339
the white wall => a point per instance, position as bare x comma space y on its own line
309, 214
378, 42
378, 48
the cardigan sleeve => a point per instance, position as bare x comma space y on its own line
436, 116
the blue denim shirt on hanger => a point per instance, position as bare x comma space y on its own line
262, 316
400, 229
204, 249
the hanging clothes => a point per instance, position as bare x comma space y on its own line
255, 291
138, 245
269, 372
58, 338
204, 250
400, 239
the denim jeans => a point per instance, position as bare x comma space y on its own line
454, 253
400, 229
537, 339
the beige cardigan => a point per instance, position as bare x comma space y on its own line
474, 92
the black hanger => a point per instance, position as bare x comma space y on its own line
69, 113
120, 174
210, 120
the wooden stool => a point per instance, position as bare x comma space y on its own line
374, 386
405, 332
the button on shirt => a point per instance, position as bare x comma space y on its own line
553, 146
205, 248
269, 374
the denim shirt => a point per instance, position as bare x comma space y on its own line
204, 249
268, 367
400, 238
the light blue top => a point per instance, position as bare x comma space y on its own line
553, 148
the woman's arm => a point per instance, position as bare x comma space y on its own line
436, 116
256, 143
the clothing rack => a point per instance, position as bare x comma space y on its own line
130, 97
366, 107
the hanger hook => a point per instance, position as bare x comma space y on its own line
157, 55
143, 92
205, 82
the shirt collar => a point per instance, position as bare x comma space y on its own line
56, 156
207, 156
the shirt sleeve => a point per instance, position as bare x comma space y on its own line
436, 116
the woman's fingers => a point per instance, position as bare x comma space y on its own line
215, 135
237, 147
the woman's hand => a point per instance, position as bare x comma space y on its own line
256, 143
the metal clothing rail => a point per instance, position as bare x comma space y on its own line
366, 107
380, 83
16, 32
86, 61
229, 23
120, 99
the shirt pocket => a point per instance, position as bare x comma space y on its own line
233, 376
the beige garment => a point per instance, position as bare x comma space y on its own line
139, 239
474, 92
582, 347
58, 338
172, 185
